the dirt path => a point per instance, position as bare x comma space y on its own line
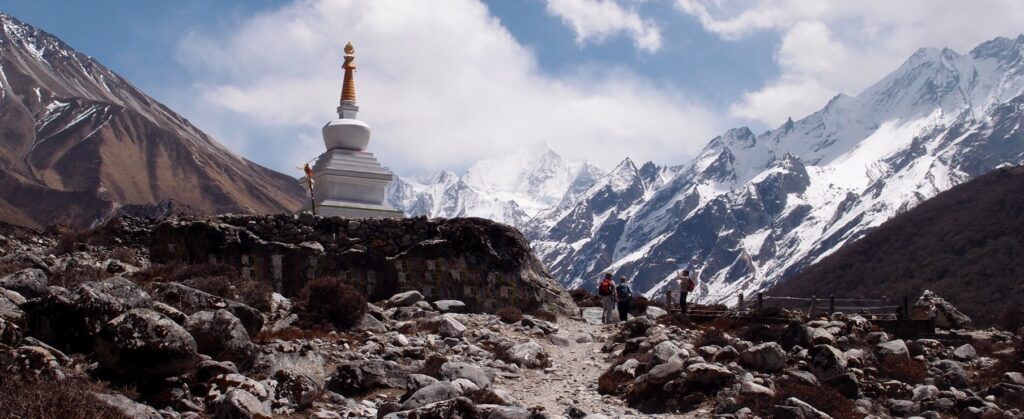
572, 378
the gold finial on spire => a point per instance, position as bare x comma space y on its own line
348, 88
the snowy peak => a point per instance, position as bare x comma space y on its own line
751, 210
510, 189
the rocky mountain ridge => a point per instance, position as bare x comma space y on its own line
79, 142
751, 210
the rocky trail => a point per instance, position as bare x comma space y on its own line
576, 364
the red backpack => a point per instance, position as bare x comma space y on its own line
691, 285
605, 288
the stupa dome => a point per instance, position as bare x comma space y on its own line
348, 134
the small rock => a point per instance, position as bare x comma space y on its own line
127, 407
965, 352
240, 404
450, 306
528, 355
767, 357
404, 299
450, 328
559, 340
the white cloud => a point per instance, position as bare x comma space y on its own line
598, 20
831, 47
442, 86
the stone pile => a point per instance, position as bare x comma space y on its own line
840, 366
190, 354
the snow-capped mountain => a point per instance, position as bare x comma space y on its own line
79, 142
511, 189
751, 210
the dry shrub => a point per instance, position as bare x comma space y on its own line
584, 298
579, 294
1012, 318
1007, 361
331, 302
36, 397
711, 336
611, 381
509, 314
823, 398
216, 285
7, 268
638, 305
909, 371
74, 276
125, 254
222, 280
481, 396
255, 294
432, 365
760, 332
545, 315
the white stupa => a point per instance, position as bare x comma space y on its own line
347, 180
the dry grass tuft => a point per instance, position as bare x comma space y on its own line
331, 303
509, 314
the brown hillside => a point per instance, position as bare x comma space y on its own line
78, 142
966, 244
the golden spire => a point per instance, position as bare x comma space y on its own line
348, 88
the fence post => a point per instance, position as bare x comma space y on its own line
668, 299
814, 304
906, 307
760, 300
740, 305
831, 305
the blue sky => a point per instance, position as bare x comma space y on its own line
445, 83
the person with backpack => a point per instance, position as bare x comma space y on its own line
606, 290
686, 286
624, 295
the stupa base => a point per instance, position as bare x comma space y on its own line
354, 210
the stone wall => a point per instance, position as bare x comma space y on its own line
485, 264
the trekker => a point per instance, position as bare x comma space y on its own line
686, 285
606, 290
625, 296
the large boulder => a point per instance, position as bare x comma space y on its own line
529, 355
70, 320
794, 408
404, 299
28, 282
827, 362
10, 311
190, 300
767, 357
220, 335
932, 307
893, 351
708, 376
144, 343
450, 306
459, 407
239, 404
449, 327
354, 378
439, 391
299, 389
126, 407
452, 371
